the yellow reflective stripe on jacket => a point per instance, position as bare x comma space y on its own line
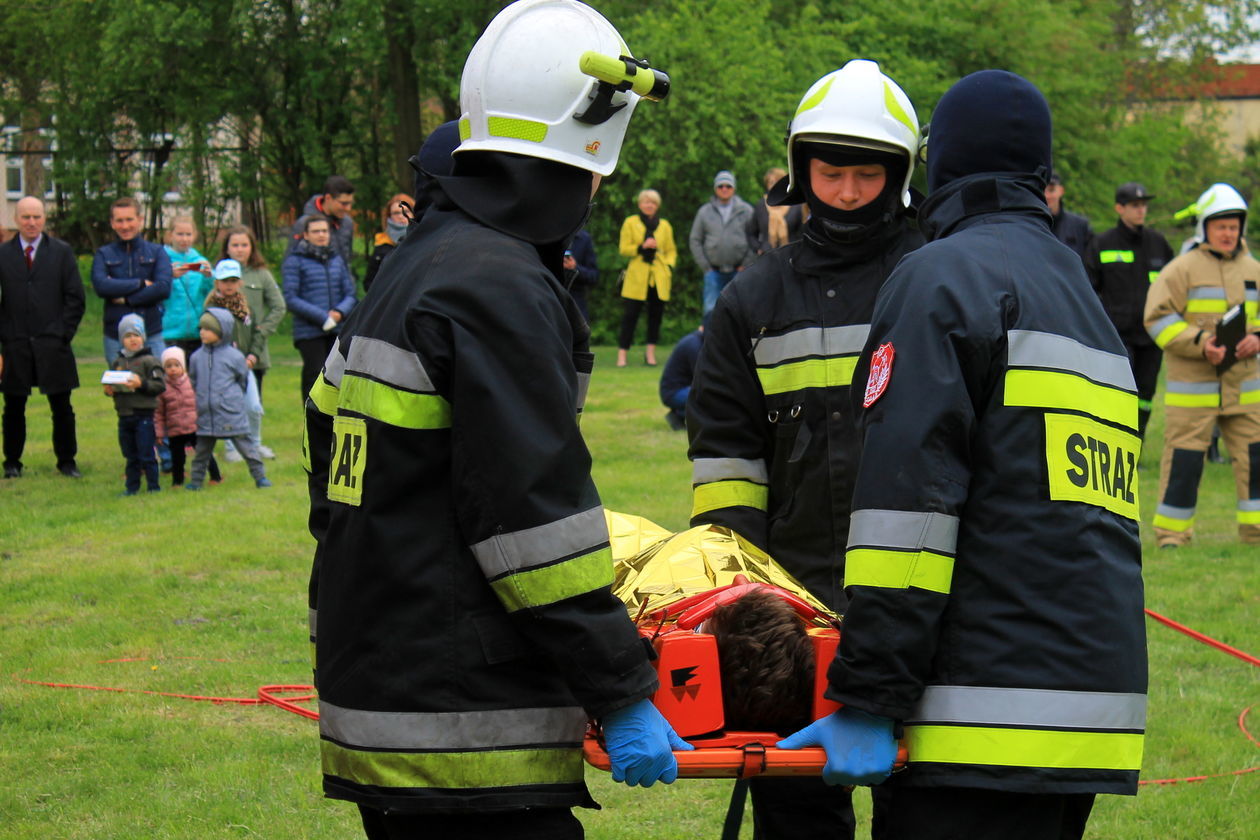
1056, 390
1192, 394
1248, 512
724, 494
549, 584
324, 396
834, 372
396, 407
1167, 328
898, 569
1024, 747
1152, 276
1105, 257
1249, 392
455, 770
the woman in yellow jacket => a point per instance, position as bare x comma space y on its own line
649, 241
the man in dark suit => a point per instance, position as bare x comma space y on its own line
41, 304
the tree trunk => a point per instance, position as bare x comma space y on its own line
404, 84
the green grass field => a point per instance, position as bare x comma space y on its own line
205, 594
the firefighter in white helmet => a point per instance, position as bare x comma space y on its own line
1210, 379
461, 582
773, 441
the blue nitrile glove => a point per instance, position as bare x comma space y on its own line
860, 747
640, 743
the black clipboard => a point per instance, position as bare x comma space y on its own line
1229, 331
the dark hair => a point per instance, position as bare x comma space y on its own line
767, 664
256, 259
338, 185
310, 219
125, 201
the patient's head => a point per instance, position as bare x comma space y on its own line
767, 664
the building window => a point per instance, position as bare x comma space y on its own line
13, 177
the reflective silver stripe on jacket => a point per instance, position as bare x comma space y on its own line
1249, 505
530, 547
334, 365
704, 470
1193, 387
1205, 293
1175, 512
1249, 385
1030, 708
1162, 324
451, 730
583, 388
810, 341
904, 529
1027, 348
386, 363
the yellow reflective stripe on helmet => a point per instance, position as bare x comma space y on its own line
1115, 256
1056, 390
549, 584
534, 132
456, 770
465, 129
894, 108
1024, 747
404, 409
734, 493
324, 396
898, 569
815, 100
835, 372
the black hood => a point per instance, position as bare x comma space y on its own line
539, 201
989, 122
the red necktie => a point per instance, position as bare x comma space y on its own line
30, 249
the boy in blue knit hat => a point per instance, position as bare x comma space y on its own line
135, 401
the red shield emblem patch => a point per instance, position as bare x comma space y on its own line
881, 371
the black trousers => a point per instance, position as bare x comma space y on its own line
527, 824
314, 351
790, 807
630, 318
971, 814
65, 441
1145, 359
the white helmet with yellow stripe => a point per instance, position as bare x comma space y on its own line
553, 79
856, 106
1217, 200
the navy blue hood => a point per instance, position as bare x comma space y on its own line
990, 122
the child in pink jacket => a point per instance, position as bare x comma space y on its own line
175, 418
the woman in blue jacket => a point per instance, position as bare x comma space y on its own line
319, 291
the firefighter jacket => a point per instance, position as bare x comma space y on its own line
1122, 264
994, 568
773, 441
1182, 310
461, 610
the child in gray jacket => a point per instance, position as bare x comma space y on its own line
220, 377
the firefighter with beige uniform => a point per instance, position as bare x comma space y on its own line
1209, 382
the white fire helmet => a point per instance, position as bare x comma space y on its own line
1217, 200
855, 106
552, 79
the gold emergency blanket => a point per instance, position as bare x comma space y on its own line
653, 568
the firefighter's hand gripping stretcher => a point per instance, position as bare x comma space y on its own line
674, 588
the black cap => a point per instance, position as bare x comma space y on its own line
1131, 191
1055, 179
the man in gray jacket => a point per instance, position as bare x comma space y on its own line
336, 202
719, 243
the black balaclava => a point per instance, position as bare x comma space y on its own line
434, 158
992, 121
888, 201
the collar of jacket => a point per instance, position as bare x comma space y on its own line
822, 254
1208, 249
323, 253
125, 245
539, 201
961, 203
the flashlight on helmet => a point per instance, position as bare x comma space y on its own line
626, 73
